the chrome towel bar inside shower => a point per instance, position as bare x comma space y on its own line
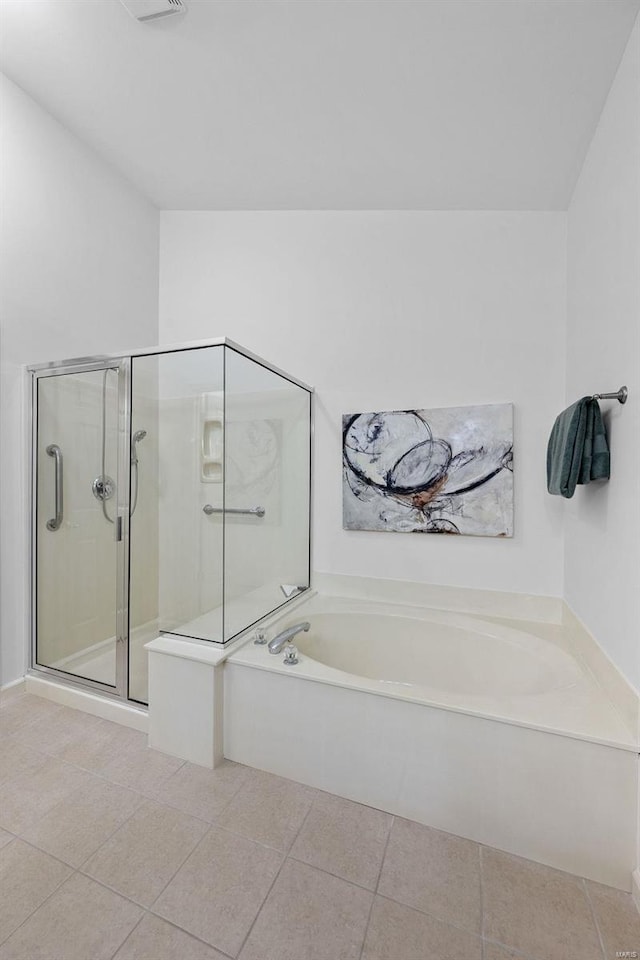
252, 511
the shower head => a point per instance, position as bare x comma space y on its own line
136, 438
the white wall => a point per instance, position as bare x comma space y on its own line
79, 253
388, 310
602, 548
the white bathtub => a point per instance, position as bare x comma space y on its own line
477, 727
428, 655
459, 662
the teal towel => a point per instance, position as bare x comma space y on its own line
578, 451
595, 457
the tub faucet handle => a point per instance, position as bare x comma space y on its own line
290, 655
260, 636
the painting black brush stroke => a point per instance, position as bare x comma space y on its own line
446, 470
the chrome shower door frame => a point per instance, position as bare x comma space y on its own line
122, 365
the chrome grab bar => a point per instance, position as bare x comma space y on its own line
253, 511
54, 451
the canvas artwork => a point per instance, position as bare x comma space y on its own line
447, 470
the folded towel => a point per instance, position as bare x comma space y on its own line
595, 457
577, 451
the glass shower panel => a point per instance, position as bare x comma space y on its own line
267, 485
176, 540
76, 549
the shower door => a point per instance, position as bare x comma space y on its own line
80, 523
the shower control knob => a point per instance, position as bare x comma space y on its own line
103, 488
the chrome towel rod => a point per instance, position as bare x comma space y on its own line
620, 395
253, 511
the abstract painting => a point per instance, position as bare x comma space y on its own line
447, 470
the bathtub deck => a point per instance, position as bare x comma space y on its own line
581, 710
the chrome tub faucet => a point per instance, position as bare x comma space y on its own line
281, 639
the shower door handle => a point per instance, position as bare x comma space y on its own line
54, 450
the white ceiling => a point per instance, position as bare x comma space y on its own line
329, 104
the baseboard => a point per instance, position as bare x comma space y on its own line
99, 706
488, 603
13, 689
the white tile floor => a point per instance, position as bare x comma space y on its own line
111, 850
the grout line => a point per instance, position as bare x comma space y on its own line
118, 893
176, 926
505, 946
213, 822
42, 756
384, 854
66, 801
264, 900
377, 884
28, 724
268, 846
15, 739
182, 863
117, 783
243, 836
126, 896
101, 721
46, 899
432, 916
143, 800
303, 821
135, 927
285, 857
366, 926
330, 873
161, 803
46, 853
595, 918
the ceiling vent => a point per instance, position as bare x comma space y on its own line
147, 10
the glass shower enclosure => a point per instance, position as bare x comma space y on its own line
171, 494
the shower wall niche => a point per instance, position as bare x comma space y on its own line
171, 495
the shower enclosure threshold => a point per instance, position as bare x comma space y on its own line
98, 704
98, 662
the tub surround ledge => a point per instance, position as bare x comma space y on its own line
489, 603
584, 646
